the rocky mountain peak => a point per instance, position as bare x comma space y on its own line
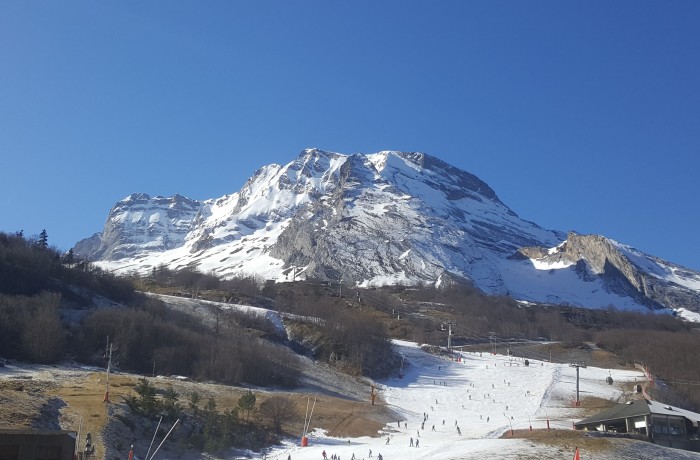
383, 218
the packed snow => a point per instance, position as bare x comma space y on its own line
458, 409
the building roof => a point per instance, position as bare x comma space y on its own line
638, 408
31, 431
634, 408
664, 409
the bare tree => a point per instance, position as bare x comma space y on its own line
43, 334
278, 409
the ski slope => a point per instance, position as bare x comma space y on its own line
482, 394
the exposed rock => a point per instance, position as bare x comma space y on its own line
597, 256
87, 248
140, 222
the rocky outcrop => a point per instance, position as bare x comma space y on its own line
595, 256
87, 248
141, 222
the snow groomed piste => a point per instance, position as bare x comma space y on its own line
454, 409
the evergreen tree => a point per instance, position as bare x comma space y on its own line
195, 398
43, 239
146, 402
247, 403
171, 408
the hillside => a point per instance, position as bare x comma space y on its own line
289, 340
473, 394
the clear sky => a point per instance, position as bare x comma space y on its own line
581, 115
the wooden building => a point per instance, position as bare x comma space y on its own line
25, 444
660, 423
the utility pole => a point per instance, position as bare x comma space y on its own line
77, 440
577, 366
492, 339
109, 368
449, 335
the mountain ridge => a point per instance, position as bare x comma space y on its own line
383, 218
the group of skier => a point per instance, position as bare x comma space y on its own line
337, 457
415, 442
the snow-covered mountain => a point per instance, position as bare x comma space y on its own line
383, 218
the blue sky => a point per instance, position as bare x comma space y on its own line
581, 115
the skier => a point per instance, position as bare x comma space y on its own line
379, 457
370, 453
410, 444
387, 440
324, 454
433, 427
417, 441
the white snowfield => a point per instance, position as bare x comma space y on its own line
483, 395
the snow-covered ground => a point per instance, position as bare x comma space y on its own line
482, 394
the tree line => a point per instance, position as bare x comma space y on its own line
38, 286
29, 267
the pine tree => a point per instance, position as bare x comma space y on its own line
195, 398
43, 239
146, 401
247, 403
170, 402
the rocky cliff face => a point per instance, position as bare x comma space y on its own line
383, 218
140, 223
648, 280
